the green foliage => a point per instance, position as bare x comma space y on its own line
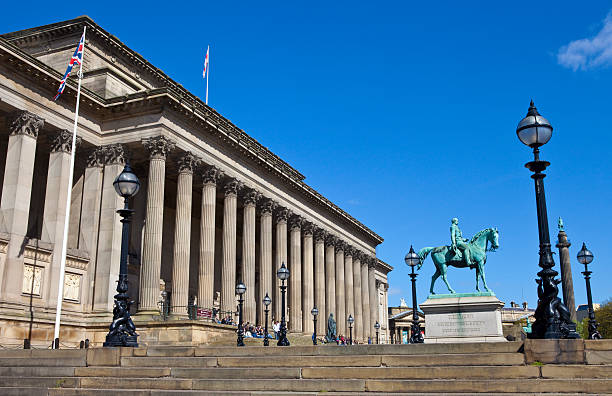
582, 328
603, 316
537, 363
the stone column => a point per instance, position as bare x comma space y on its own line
206, 273
23, 128
282, 214
319, 280
567, 282
365, 298
348, 282
54, 215
265, 256
358, 315
330, 278
182, 235
295, 280
248, 254
108, 256
308, 279
228, 270
340, 289
92, 195
150, 268
373, 296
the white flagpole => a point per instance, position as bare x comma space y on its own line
207, 72
60, 288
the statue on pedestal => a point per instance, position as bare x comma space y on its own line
331, 335
462, 253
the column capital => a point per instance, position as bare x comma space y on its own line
371, 262
349, 250
113, 154
282, 214
267, 205
295, 222
340, 245
250, 197
357, 254
319, 234
158, 146
330, 239
95, 159
211, 174
308, 228
187, 162
24, 123
61, 141
232, 186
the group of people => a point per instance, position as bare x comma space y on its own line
254, 331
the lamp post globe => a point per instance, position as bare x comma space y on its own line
314, 312
412, 259
266, 301
377, 327
585, 257
240, 290
283, 275
122, 331
350, 321
552, 318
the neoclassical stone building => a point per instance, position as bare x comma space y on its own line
215, 207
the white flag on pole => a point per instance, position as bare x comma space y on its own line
205, 73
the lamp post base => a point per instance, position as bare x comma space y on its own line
121, 341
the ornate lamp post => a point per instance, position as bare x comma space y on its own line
283, 275
266, 302
122, 331
552, 319
350, 321
377, 327
240, 290
585, 257
315, 313
412, 259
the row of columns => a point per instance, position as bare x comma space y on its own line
325, 271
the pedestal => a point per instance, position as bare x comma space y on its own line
463, 317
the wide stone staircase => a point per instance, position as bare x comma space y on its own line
485, 368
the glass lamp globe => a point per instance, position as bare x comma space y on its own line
534, 130
350, 319
412, 258
240, 288
267, 300
377, 325
127, 183
283, 272
584, 255
314, 311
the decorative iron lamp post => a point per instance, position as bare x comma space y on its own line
350, 321
315, 313
266, 302
122, 331
552, 319
377, 327
240, 290
412, 259
283, 275
586, 257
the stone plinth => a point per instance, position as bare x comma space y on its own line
467, 317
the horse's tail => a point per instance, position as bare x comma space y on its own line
423, 254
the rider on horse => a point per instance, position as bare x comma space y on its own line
458, 241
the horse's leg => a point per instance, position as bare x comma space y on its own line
477, 275
435, 276
481, 270
444, 268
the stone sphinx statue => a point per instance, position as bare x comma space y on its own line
331, 334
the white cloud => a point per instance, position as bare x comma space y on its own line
394, 291
589, 53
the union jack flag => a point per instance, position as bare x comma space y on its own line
77, 58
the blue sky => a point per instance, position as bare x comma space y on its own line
405, 114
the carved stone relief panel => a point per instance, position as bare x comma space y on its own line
32, 279
72, 287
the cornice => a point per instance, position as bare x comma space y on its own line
172, 96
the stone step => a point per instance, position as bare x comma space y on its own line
231, 373
576, 371
463, 372
44, 382
44, 353
43, 362
168, 362
141, 392
125, 372
300, 361
456, 359
36, 371
23, 391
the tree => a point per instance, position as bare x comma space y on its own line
603, 316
